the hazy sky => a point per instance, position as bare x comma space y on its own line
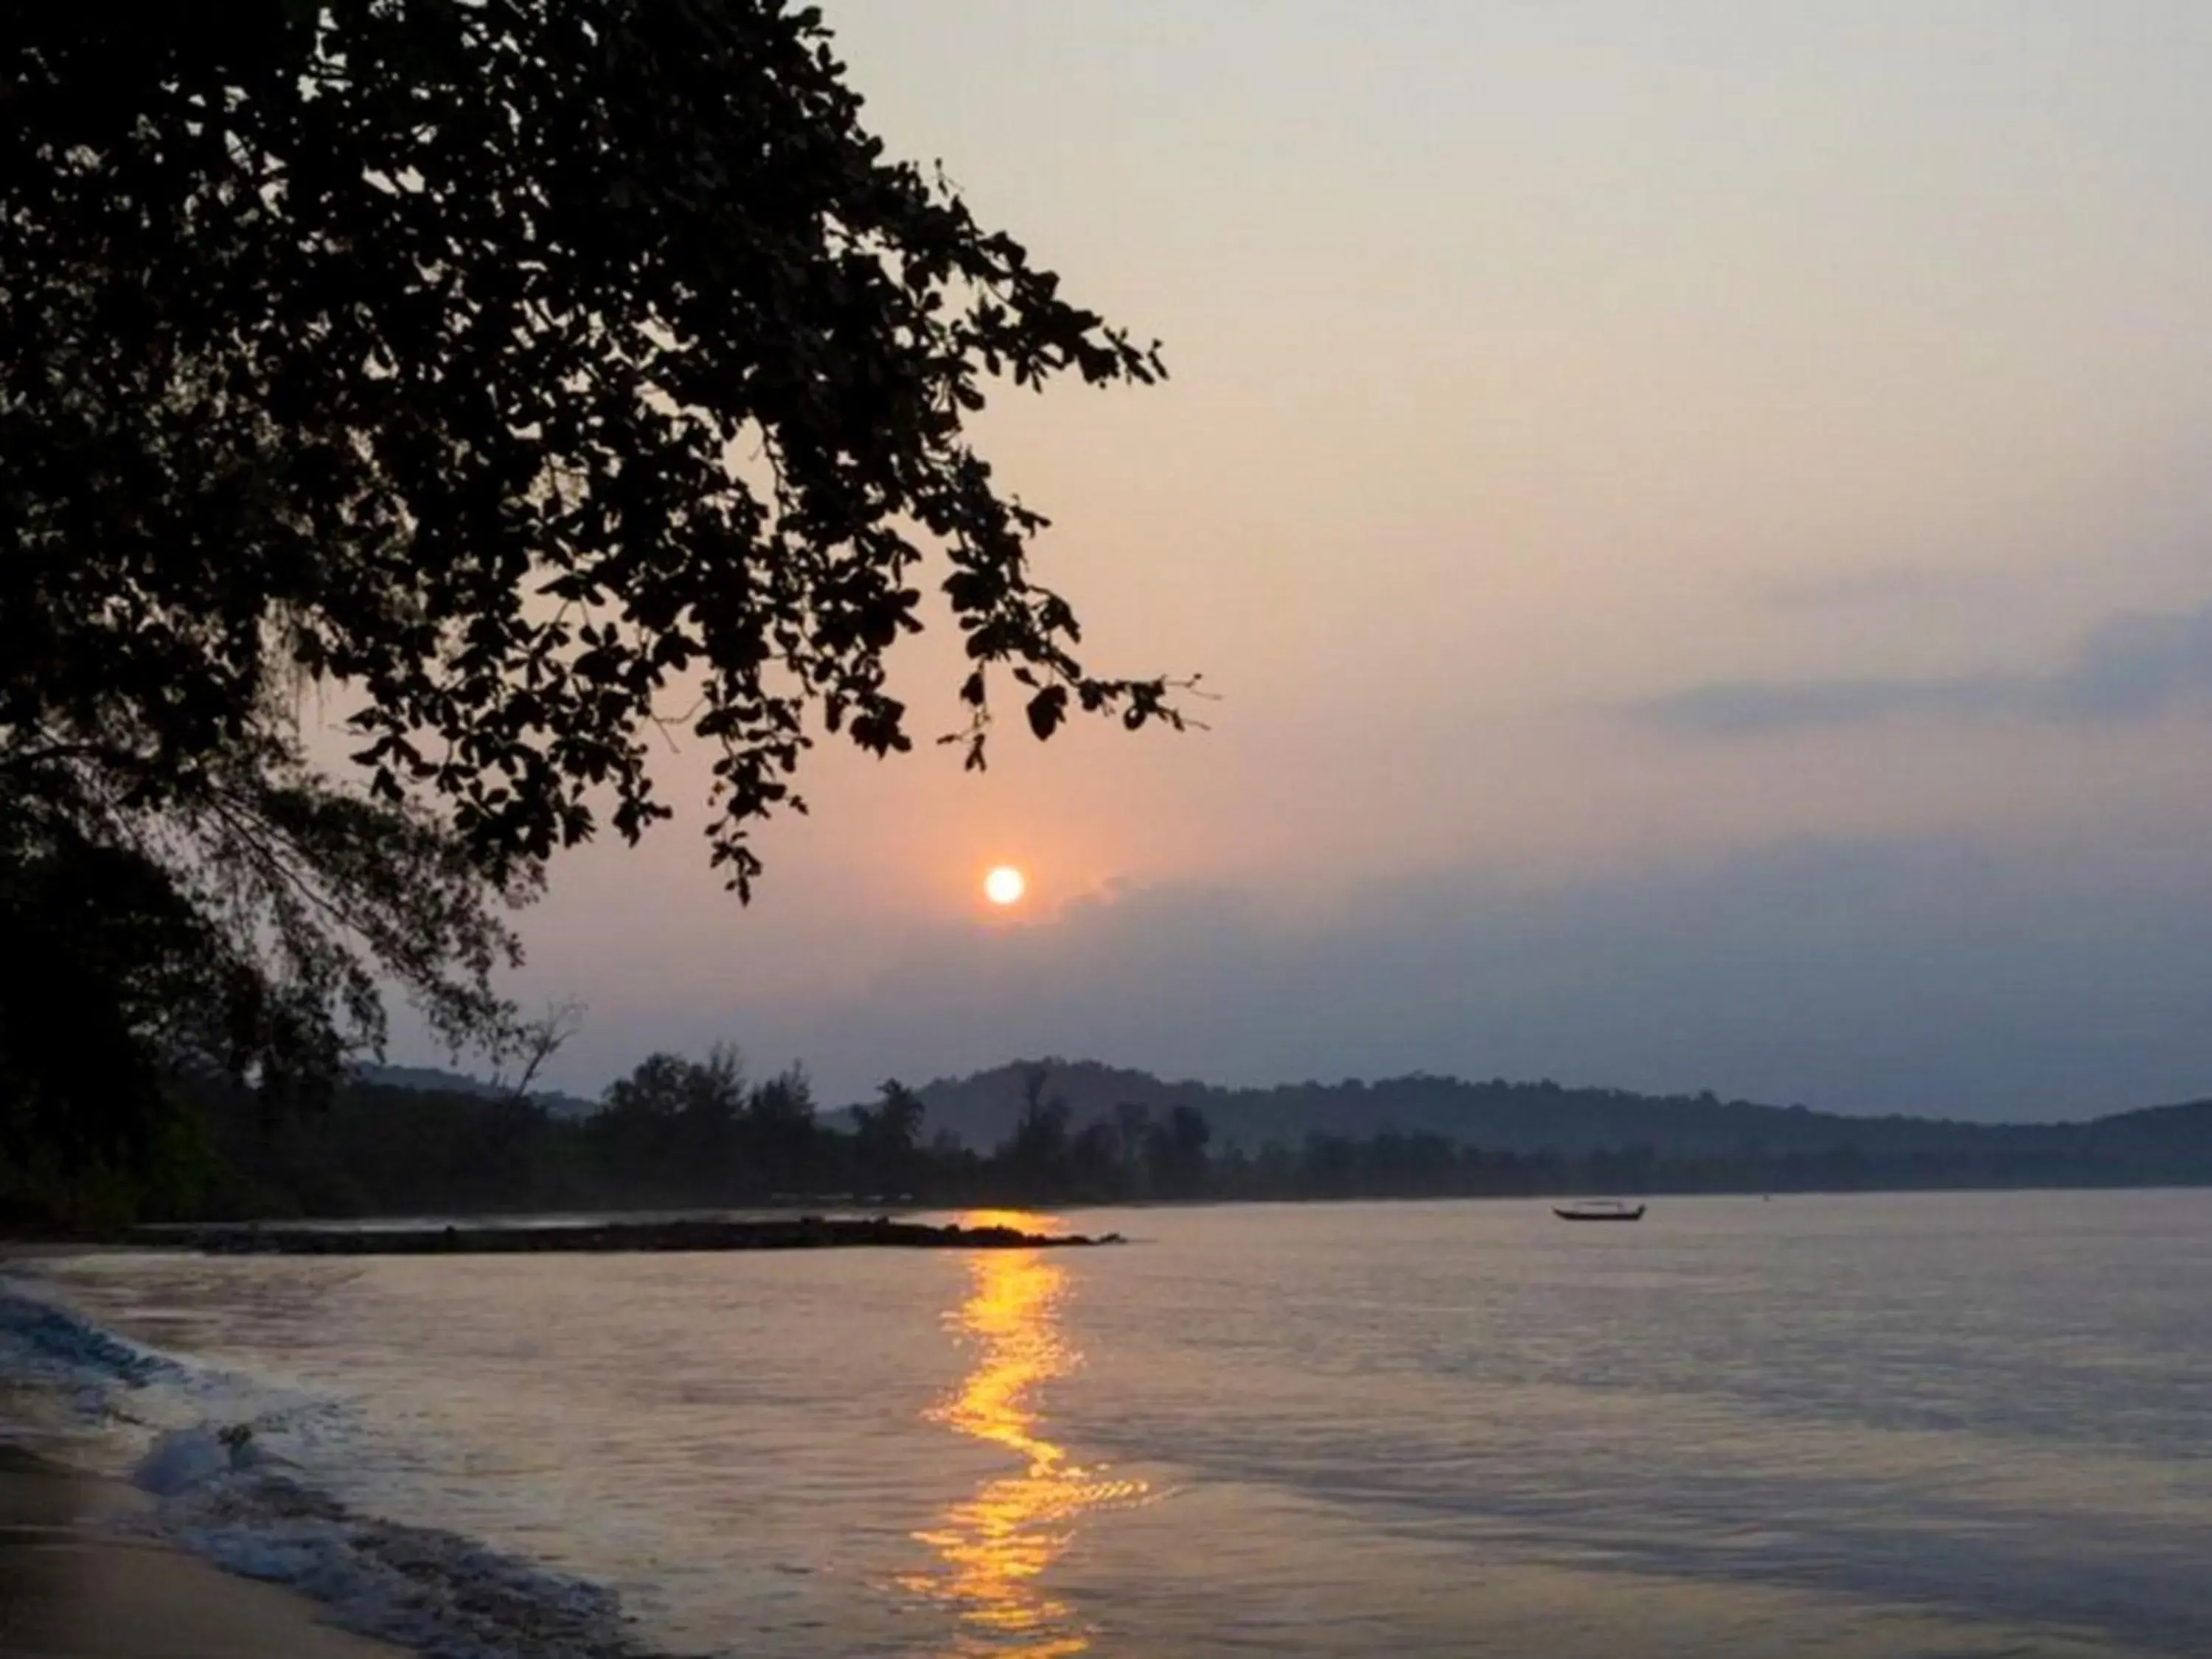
1699, 517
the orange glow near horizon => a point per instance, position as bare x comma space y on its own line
994, 1548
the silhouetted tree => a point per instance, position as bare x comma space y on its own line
779, 1132
1133, 1122
888, 1135
636, 1128
1174, 1153
533, 378
1037, 1154
1094, 1163
537, 1041
707, 1121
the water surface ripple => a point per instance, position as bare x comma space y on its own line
1939, 1425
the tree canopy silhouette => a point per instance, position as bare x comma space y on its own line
535, 375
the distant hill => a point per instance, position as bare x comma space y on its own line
1545, 1116
429, 1079
2155, 1143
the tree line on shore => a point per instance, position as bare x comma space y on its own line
679, 1133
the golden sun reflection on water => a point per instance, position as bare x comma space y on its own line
993, 1548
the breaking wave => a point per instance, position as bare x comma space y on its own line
197, 1441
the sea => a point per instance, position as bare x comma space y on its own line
1941, 1424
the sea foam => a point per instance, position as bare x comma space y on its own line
220, 1492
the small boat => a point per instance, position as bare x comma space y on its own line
1599, 1209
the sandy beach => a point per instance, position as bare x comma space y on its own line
71, 1589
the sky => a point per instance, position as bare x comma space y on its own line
1695, 520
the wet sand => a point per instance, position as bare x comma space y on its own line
68, 1590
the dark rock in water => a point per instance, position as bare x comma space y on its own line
804, 1232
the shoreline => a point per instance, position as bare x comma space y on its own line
212, 1549
71, 1587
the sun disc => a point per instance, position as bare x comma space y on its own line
1005, 885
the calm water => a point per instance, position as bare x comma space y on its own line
1928, 1425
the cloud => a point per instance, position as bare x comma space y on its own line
2131, 667
2136, 666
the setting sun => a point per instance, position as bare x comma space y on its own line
1005, 885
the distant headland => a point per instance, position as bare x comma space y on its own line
678, 1234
